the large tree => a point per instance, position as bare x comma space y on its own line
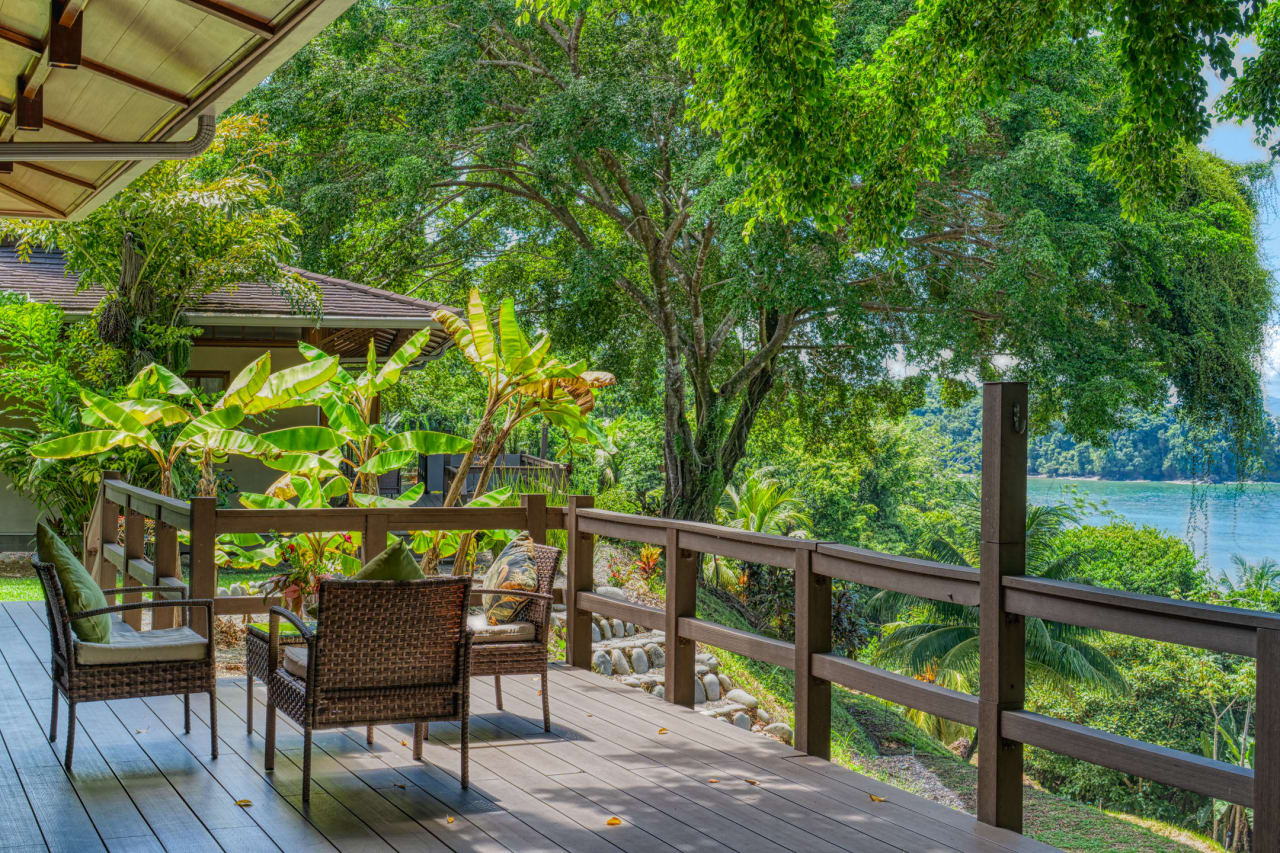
448, 142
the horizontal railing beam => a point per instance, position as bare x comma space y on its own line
353, 518
1187, 623
244, 605
639, 614
936, 581
899, 689
1185, 770
153, 505
761, 648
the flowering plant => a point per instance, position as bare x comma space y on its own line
311, 558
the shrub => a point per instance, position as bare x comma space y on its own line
618, 499
1137, 559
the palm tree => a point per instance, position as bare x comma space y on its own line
937, 641
1253, 581
762, 505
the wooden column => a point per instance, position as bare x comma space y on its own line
373, 539
107, 523
167, 566
204, 569
1002, 636
135, 533
813, 636
1266, 774
682, 600
535, 508
579, 569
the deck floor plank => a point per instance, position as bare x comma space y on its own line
141, 783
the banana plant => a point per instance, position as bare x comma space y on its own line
367, 446
522, 380
158, 398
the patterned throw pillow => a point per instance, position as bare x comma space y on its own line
515, 568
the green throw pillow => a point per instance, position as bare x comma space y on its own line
515, 568
397, 563
78, 586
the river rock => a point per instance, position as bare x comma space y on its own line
632, 681
711, 686
223, 592
628, 629
762, 716
657, 657
620, 665
596, 636
725, 684
781, 731
699, 692
709, 661
742, 721
615, 625
601, 663
238, 589
701, 670
611, 592
639, 661
742, 697
660, 691
606, 633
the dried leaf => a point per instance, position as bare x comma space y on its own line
713, 781
142, 731
244, 804
404, 743
613, 821
590, 715
662, 731
449, 819
539, 692
875, 799
401, 785
751, 781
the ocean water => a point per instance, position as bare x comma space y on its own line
1217, 520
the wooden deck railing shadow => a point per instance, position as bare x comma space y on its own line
999, 588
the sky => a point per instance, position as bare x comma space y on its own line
1235, 142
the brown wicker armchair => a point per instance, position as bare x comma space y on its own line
381, 652
134, 664
519, 648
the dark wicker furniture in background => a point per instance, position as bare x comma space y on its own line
381, 652
93, 682
523, 658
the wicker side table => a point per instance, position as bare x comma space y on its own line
256, 640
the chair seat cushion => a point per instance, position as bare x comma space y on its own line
80, 591
507, 632
295, 661
516, 568
130, 646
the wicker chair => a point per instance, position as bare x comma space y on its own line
498, 652
89, 672
381, 652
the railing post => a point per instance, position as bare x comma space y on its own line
135, 532
580, 578
108, 528
1002, 639
204, 569
535, 509
682, 600
167, 566
373, 539
1266, 745
813, 636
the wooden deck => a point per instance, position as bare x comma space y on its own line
140, 783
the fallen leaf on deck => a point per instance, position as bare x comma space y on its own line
613, 821
404, 743
142, 731
399, 785
244, 803
751, 781
662, 731
539, 692
713, 781
875, 799
449, 819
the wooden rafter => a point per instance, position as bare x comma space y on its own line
242, 18
62, 176
6, 108
135, 82
30, 199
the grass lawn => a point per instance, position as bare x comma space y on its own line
28, 589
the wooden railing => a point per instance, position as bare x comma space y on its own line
1004, 596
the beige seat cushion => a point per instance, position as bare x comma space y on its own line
295, 661
508, 632
130, 646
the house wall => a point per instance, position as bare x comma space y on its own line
18, 516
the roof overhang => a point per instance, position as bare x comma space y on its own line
145, 71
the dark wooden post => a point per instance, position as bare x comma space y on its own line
813, 636
135, 533
107, 528
1002, 640
682, 600
580, 579
167, 566
1266, 773
204, 569
535, 508
373, 539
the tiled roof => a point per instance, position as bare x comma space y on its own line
44, 279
